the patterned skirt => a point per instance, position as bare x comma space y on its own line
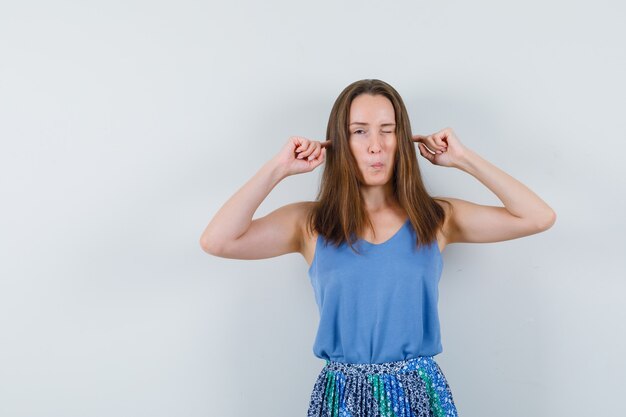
409, 388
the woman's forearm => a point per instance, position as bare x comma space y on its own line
518, 199
235, 216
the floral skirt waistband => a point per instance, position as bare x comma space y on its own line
413, 387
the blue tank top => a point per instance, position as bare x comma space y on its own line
380, 306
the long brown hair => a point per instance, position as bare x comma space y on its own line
340, 209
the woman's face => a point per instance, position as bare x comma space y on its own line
372, 137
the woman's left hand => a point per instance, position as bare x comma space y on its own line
447, 148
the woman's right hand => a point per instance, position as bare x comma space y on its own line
301, 155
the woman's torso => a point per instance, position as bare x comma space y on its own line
381, 305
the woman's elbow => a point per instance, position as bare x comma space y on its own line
209, 246
547, 220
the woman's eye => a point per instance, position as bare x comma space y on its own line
360, 130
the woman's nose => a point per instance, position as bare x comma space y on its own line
375, 143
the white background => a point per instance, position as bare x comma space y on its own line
125, 125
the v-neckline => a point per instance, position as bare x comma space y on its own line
388, 240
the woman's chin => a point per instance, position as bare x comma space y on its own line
371, 181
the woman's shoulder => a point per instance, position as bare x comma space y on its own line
443, 233
289, 224
308, 236
298, 214
305, 208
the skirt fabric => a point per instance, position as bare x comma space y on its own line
409, 388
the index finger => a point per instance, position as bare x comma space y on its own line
326, 144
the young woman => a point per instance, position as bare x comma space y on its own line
373, 239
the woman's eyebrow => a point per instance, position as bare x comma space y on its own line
366, 124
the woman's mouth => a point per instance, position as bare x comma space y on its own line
377, 165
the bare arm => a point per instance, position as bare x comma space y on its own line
232, 233
524, 212
234, 218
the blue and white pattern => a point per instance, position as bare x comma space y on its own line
413, 387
